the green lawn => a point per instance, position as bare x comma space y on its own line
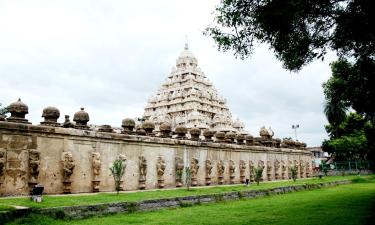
69, 200
344, 204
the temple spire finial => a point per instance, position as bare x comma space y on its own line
186, 43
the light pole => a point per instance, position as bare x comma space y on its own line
295, 130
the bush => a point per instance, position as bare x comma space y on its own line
117, 171
294, 171
258, 173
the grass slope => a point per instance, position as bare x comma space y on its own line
344, 204
70, 200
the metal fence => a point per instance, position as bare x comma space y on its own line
347, 167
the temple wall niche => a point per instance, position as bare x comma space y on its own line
79, 146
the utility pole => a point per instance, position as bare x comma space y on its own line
294, 127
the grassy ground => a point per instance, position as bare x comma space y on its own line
344, 204
69, 200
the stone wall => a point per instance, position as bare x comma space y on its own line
73, 161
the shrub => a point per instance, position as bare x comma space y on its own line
117, 171
294, 171
258, 173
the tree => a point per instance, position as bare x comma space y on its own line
348, 139
294, 171
300, 31
117, 171
258, 174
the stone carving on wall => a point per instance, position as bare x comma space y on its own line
123, 158
208, 171
160, 168
269, 170
261, 165
68, 168
277, 169
290, 165
251, 169
232, 170
34, 162
96, 168
302, 168
220, 171
179, 164
2, 165
308, 169
283, 169
194, 171
296, 165
142, 171
242, 171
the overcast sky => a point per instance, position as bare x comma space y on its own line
111, 56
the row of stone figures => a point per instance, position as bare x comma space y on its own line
18, 110
273, 169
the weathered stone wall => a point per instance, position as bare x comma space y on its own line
22, 170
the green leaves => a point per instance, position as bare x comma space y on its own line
117, 170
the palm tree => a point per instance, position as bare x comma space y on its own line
335, 111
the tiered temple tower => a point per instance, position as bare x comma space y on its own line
188, 98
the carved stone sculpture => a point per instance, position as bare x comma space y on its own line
232, 170
290, 165
160, 168
123, 158
261, 165
208, 171
302, 168
283, 169
220, 136
18, 110
220, 171
68, 168
2, 165
142, 172
296, 165
165, 130
194, 171
181, 132
269, 170
308, 169
194, 133
277, 169
50, 115
96, 168
34, 162
208, 134
148, 126
128, 125
179, 164
263, 132
67, 123
251, 169
242, 171
81, 118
